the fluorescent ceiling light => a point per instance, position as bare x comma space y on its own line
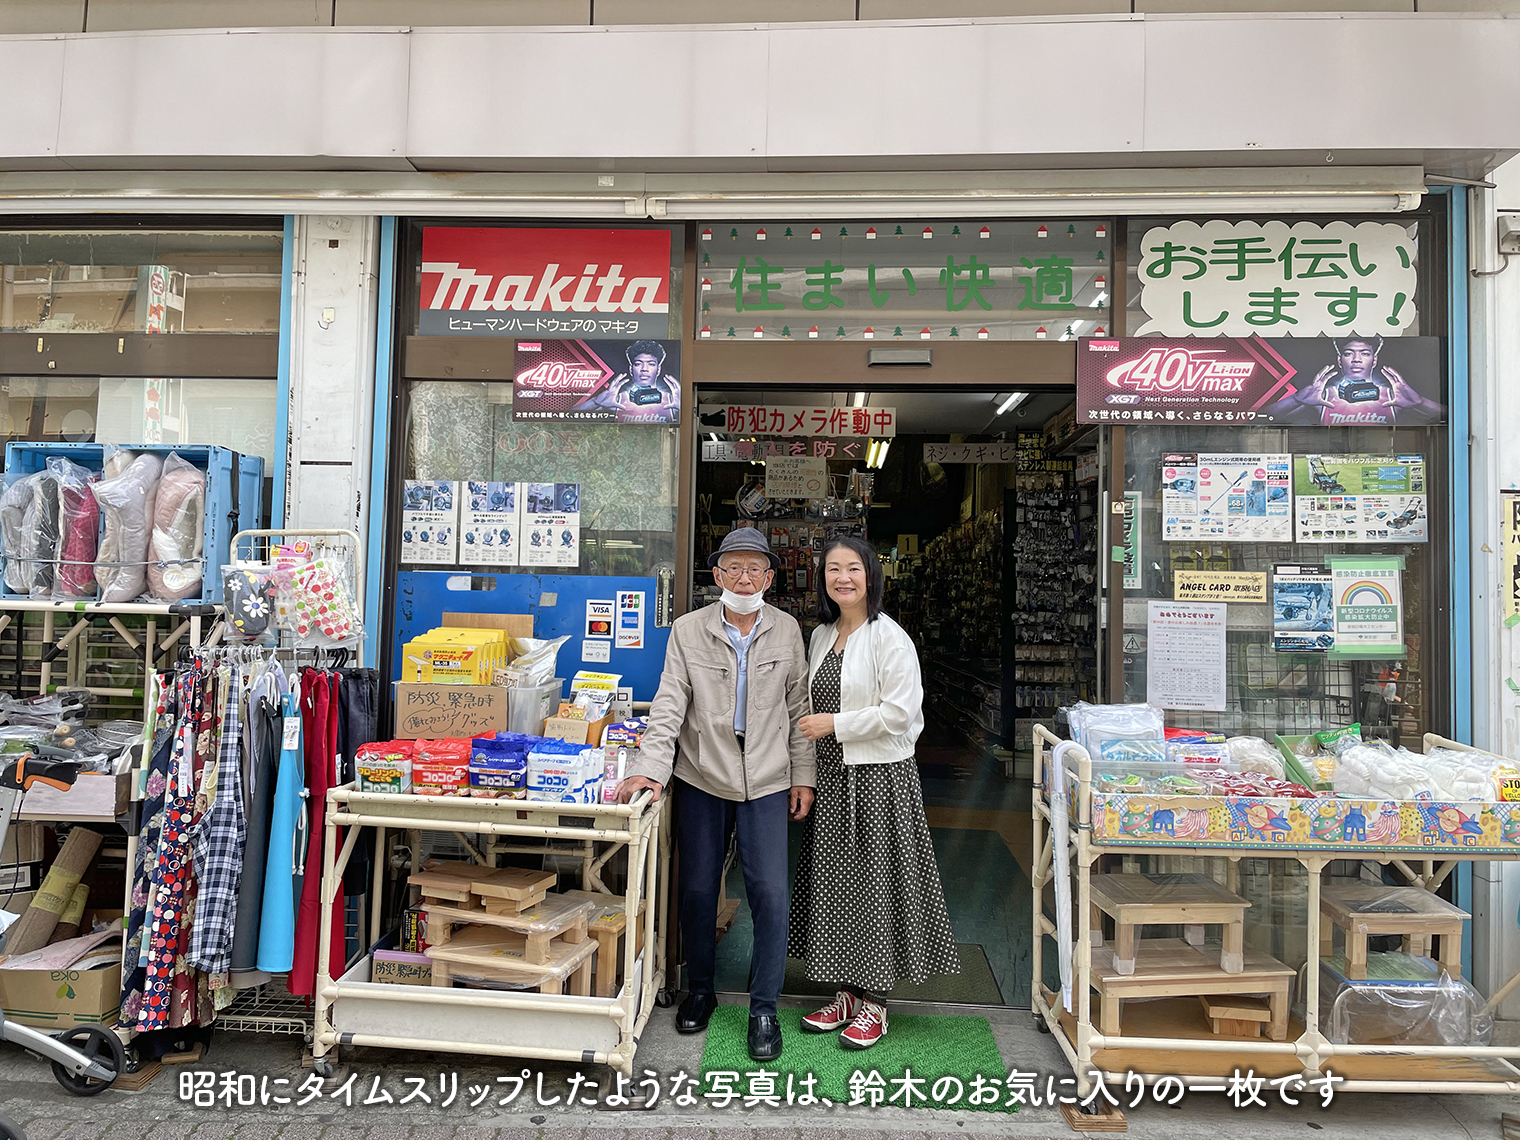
871, 453
1014, 400
859, 401
881, 455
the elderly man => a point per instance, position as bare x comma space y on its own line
724, 724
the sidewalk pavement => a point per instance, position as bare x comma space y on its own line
30, 1096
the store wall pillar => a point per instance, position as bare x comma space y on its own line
1494, 358
333, 313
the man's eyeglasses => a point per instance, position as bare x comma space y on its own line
740, 573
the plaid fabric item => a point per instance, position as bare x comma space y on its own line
221, 834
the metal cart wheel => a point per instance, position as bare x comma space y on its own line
323, 1067
664, 998
99, 1045
1040, 1024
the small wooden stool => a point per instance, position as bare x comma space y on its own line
1363, 909
497, 953
608, 926
1190, 901
1169, 967
1233, 1016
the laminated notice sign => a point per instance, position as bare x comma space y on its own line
429, 521
1185, 656
1226, 497
1369, 606
551, 524
1303, 610
491, 519
1360, 498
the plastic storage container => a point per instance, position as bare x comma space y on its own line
528, 706
234, 493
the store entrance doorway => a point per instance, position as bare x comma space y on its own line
984, 508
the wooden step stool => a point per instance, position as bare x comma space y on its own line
557, 918
497, 953
608, 927
1234, 1016
1170, 967
1363, 909
1190, 901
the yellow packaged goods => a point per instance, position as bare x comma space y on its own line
463, 656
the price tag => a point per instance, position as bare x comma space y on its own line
292, 736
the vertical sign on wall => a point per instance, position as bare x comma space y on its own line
1510, 505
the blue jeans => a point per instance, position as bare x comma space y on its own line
703, 825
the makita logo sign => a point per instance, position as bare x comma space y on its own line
1167, 370
545, 271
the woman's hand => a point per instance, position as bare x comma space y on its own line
817, 726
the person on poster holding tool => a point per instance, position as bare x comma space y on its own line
1357, 390
867, 906
723, 725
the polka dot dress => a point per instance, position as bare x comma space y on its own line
867, 906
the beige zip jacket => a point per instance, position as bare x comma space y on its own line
691, 722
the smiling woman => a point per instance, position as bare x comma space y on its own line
867, 906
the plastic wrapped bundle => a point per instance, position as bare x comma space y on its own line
18, 544
40, 521
79, 530
127, 502
175, 565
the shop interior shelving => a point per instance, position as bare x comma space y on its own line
1206, 1059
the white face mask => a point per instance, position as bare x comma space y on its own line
743, 603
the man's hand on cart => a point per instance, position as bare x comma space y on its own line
633, 785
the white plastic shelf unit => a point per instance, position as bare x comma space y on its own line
352, 1010
191, 620
1363, 1068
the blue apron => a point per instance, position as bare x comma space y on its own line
287, 849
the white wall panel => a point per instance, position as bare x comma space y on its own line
974, 89
222, 95
657, 92
33, 83
1337, 82
1105, 91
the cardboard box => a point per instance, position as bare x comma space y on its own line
61, 999
576, 731
93, 799
400, 968
23, 844
431, 711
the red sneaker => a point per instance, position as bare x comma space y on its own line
869, 1027
839, 1012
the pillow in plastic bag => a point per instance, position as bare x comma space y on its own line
175, 564
127, 502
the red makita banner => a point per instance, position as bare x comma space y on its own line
1348, 381
545, 283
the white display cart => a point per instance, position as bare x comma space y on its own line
1426, 862
352, 1010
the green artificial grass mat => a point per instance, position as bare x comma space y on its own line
974, 985
930, 1045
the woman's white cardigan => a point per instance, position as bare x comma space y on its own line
881, 695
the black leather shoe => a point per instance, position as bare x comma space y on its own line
695, 1012
764, 1037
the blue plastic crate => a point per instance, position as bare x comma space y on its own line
234, 492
